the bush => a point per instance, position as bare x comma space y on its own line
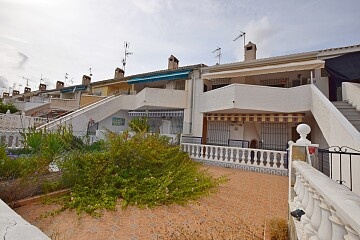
278, 229
143, 170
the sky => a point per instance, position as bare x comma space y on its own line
44, 41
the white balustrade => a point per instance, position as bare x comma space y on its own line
11, 139
331, 210
247, 158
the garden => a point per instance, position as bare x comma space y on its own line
140, 168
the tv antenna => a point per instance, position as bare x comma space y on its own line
27, 81
242, 34
90, 74
66, 77
126, 54
218, 53
41, 79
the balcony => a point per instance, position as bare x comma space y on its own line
156, 98
254, 98
64, 104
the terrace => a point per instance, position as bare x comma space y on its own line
244, 207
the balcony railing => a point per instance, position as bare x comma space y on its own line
257, 160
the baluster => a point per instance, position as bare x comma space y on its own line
236, 155
282, 162
201, 151
208, 152
210, 156
309, 208
192, 151
249, 156
242, 151
312, 228
216, 153
325, 228
299, 198
305, 200
338, 227
195, 151
7, 139
255, 156
231, 158
226, 155
351, 234
262, 158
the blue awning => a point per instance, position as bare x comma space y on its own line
73, 89
161, 77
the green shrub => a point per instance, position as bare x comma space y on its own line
143, 170
139, 124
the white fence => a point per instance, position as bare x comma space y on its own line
14, 139
13, 122
258, 160
332, 211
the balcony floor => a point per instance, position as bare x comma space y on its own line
247, 201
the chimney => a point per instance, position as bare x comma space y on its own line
15, 92
27, 89
86, 80
42, 87
173, 63
59, 85
119, 73
250, 51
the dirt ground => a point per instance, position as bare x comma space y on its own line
241, 209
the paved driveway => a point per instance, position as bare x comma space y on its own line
241, 209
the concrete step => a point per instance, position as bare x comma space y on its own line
350, 112
352, 118
342, 104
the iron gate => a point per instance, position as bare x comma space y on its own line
337, 163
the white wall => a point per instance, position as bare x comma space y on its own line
256, 98
107, 122
351, 93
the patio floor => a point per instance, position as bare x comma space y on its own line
241, 209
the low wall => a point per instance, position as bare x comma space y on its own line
14, 227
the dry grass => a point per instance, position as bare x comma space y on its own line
216, 229
278, 229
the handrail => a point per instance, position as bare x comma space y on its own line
76, 113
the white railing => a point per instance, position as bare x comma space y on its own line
258, 160
10, 122
331, 210
11, 139
72, 115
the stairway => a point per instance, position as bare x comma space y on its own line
349, 112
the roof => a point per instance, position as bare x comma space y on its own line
164, 71
305, 56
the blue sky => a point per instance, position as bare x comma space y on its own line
51, 38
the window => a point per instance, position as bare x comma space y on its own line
97, 93
118, 121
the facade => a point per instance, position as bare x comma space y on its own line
258, 103
49, 103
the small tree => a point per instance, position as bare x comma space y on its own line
139, 125
7, 106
